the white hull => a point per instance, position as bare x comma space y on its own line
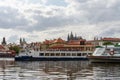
53, 55
109, 54
104, 59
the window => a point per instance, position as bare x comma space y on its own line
79, 54
63, 54
73, 54
57, 54
52, 54
68, 54
41, 54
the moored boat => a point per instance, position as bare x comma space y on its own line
105, 54
31, 55
7, 54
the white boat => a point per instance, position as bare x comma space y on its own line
105, 54
31, 55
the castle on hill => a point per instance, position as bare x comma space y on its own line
73, 37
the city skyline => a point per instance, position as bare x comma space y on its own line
37, 20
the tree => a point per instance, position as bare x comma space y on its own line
98, 46
107, 43
15, 48
117, 45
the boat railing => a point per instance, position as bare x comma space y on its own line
66, 51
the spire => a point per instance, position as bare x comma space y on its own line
4, 41
20, 41
75, 36
71, 35
24, 42
23, 39
68, 38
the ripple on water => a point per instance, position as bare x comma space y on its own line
58, 70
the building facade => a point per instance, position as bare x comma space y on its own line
101, 41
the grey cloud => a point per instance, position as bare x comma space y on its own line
93, 12
101, 11
53, 22
96, 12
109, 29
55, 32
110, 32
33, 35
8, 18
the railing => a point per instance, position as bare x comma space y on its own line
66, 51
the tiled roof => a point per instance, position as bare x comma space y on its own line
46, 42
59, 40
75, 42
111, 39
1, 47
56, 46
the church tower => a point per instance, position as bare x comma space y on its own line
71, 36
4, 41
22, 41
68, 38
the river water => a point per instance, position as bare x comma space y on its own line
58, 70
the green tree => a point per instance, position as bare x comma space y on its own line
15, 48
117, 45
107, 43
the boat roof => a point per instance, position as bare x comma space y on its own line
109, 47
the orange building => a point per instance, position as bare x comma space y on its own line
73, 45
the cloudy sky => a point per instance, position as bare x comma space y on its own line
37, 20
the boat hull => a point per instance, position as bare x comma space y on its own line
5, 55
104, 58
30, 58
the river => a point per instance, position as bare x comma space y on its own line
58, 70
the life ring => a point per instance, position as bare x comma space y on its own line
111, 52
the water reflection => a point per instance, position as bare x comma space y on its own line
61, 70
106, 71
58, 70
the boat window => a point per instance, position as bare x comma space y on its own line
99, 50
79, 54
52, 54
89, 53
117, 51
68, 54
84, 54
63, 54
104, 54
41, 54
57, 54
46, 54
73, 54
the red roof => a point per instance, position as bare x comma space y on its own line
46, 42
75, 42
57, 46
111, 39
59, 40
1, 47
